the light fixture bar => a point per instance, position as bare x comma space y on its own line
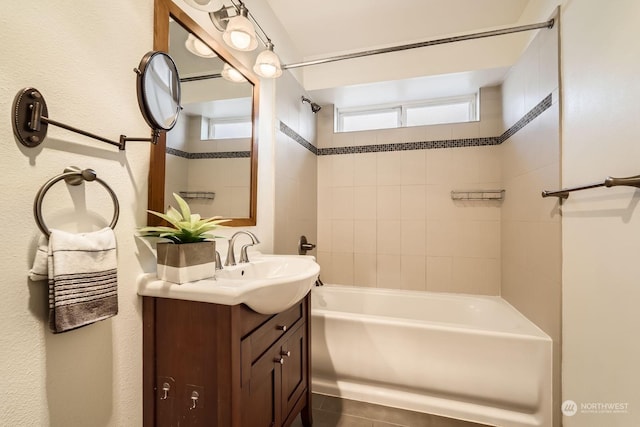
548, 24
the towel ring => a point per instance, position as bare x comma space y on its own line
73, 176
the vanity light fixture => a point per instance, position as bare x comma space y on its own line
231, 74
239, 32
267, 63
205, 5
198, 48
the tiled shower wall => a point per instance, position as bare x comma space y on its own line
295, 168
531, 236
386, 219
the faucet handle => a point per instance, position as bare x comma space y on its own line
218, 261
244, 257
231, 258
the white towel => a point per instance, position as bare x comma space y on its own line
82, 274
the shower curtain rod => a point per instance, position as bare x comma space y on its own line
548, 24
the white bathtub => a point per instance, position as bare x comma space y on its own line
468, 357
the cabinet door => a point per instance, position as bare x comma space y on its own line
261, 401
294, 368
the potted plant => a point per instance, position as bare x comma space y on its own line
189, 252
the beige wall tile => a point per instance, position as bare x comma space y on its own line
342, 170
389, 202
413, 274
325, 235
442, 237
439, 132
342, 203
326, 272
325, 202
465, 130
365, 200
364, 138
413, 202
342, 236
476, 276
389, 165
439, 165
439, 274
342, 268
365, 236
365, 169
388, 271
343, 139
324, 164
388, 238
413, 237
365, 272
413, 167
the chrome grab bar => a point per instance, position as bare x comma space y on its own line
631, 181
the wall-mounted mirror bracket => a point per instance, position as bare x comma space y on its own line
158, 86
30, 122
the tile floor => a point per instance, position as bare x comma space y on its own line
335, 412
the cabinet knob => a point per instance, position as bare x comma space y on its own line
165, 389
279, 360
194, 400
285, 353
282, 328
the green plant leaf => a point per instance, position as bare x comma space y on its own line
173, 213
185, 226
184, 207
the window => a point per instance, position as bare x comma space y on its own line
229, 128
370, 120
430, 112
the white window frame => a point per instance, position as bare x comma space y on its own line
212, 122
401, 110
350, 112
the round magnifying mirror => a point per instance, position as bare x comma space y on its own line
159, 90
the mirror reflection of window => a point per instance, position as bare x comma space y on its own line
229, 129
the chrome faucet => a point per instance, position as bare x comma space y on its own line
231, 258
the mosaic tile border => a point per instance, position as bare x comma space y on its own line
211, 155
296, 137
446, 143
527, 118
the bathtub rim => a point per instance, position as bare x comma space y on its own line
534, 331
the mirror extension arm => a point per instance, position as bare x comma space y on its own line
158, 87
30, 122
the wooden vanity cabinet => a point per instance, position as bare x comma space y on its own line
228, 366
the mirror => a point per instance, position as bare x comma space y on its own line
159, 90
210, 156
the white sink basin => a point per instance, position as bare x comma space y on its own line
268, 284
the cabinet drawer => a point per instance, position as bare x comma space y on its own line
254, 345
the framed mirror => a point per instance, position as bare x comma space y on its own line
210, 156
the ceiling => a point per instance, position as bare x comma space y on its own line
320, 29
328, 27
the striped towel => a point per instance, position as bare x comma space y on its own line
82, 274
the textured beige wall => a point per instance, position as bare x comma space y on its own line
81, 57
601, 350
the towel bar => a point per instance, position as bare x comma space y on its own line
72, 176
631, 181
